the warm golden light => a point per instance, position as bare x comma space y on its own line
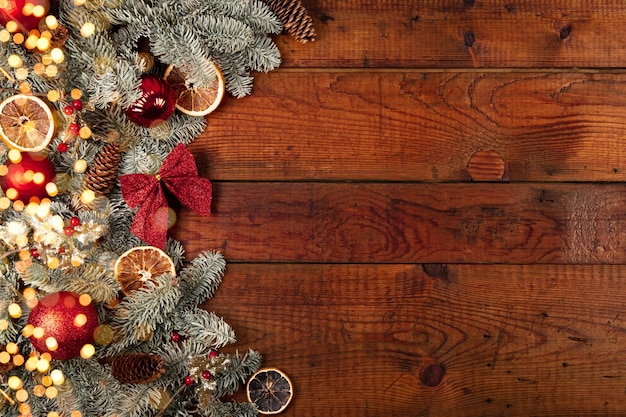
57, 377
15, 156
12, 348
14, 61
87, 29
38, 332
27, 331
52, 189
14, 382
21, 395
87, 351
18, 360
80, 320
15, 311
52, 344
51, 22
31, 363
84, 300
87, 197
43, 365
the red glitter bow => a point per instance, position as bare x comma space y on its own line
180, 176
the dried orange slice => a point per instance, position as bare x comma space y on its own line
270, 390
195, 101
141, 264
26, 123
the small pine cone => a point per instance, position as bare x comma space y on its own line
295, 19
136, 368
102, 173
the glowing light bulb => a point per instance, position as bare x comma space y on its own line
15, 311
51, 22
87, 351
14, 382
15, 156
52, 344
57, 377
87, 29
84, 300
43, 365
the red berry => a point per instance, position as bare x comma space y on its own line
175, 337
74, 221
34, 253
69, 230
68, 110
62, 249
213, 354
62, 147
206, 375
77, 104
74, 128
188, 380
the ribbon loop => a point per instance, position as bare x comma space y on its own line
179, 175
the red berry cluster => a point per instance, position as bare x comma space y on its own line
72, 223
73, 128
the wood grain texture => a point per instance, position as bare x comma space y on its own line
418, 126
399, 222
518, 340
366, 259
462, 34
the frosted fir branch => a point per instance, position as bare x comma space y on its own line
145, 308
261, 18
94, 280
263, 55
200, 279
223, 34
180, 128
176, 252
236, 75
241, 367
236, 409
205, 327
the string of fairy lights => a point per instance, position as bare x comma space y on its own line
43, 229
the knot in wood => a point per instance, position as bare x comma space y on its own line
432, 374
486, 166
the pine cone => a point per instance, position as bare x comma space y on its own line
295, 19
136, 368
102, 173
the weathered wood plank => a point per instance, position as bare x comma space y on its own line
462, 34
397, 222
419, 126
541, 340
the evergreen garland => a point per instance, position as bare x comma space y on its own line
109, 46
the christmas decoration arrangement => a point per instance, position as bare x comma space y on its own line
99, 309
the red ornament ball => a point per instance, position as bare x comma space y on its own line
156, 104
27, 177
26, 13
67, 324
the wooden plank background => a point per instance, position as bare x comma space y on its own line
423, 211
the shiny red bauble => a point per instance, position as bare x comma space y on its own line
27, 177
156, 104
63, 318
21, 12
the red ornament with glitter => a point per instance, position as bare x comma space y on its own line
27, 177
156, 104
68, 322
26, 13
